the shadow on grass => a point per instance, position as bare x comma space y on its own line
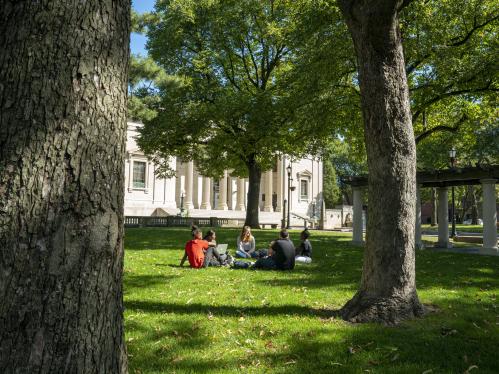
132, 281
225, 310
444, 347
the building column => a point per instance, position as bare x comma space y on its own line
358, 230
240, 195
206, 197
189, 176
443, 218
280, 186
230, 193
222, 193
268, 192
489, 213
418, 237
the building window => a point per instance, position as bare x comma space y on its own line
139, 174
303, 189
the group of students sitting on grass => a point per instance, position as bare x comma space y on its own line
281, 254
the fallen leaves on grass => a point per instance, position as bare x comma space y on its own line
269, 345
177, 359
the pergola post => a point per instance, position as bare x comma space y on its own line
489, 212
357, 237
418, 237
443, 218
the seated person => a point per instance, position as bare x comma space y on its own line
246, 244
304, 250
195, 249
212, 257
281, 254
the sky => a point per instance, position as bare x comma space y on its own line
137, 41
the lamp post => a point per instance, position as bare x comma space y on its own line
452, 155
182, 195
290, 180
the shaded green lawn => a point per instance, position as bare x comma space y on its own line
220, 320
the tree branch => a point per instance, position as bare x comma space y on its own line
230, 76
468, 35
439, 128
451, 43
246, 68
255, 65
449, 94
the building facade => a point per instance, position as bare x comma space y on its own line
146, 194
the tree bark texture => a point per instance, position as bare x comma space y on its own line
388, 287
63, 82
253, 208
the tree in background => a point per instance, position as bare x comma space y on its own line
348, 159
237, 103
62, 143
144, 80
451, 66
330, 189
451, 61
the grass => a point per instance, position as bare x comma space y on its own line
218, 320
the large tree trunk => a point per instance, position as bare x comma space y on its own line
388, 287
63, 74
253, 207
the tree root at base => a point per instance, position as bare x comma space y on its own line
387, 310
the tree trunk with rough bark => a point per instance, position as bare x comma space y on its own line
63, 82
388, 287
253, 207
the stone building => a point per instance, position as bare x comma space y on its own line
146, 194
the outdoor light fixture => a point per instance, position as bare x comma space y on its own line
452, 155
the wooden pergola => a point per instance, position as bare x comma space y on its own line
486, 175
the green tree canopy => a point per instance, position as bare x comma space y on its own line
237, 103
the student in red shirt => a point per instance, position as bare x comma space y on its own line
195, 249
